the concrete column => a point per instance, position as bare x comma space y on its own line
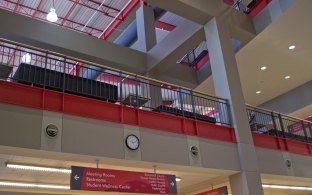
270, 13
146, 29
227, 84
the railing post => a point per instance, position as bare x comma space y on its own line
281, 124
193, 104
273, 120
229, 112
120, 86
310, 130
181, 101
45, 70
64, 74
304, 130
137, 91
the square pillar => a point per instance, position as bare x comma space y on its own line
145, 20
227, 85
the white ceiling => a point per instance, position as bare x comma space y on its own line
190, 176
270, 48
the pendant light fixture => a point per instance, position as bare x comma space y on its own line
52, 16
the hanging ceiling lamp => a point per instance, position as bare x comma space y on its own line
52, 16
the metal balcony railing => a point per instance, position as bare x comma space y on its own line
273, 123
244, 5
45, 69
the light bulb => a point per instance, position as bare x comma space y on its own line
52, 16
26, 58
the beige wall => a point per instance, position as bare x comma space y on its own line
20, 127
85, 136
274, 162
24, 128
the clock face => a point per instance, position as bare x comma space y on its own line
132, 142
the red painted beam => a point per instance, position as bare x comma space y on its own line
71, 9
258, 7
164, 26
202, 61
107, 6
283, 144
37, 8
90, 7
18, 3
43, 99
229, 2
124, 13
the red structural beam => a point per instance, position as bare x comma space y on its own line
37, 8
164, 26
107, 6
202, 61
17, 6
95, 9
258, 7
71, 9
124, 13
283, 144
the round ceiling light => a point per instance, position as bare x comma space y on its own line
287, 77
291, 47
258, 92
263, 68
52, 16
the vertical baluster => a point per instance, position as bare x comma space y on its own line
193, 104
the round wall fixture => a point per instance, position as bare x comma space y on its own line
194, 150
288, 163
51, 130
132, 142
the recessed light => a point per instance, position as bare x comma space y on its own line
263, 68
37, 168
178, 179
291, 47
33, 185
287, 77
258, 92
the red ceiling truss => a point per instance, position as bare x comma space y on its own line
66, 20
75, 10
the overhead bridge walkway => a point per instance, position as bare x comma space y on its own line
46, 80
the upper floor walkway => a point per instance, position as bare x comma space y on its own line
46, 80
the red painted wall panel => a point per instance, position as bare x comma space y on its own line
160, 121
19, 94
91, 108
52, 101
129, 115
190, 127
298, 147
265, 141
284, 144
33, 97
209, 130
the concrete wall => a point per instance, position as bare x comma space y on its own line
274, 162
25, 128
91, 137
270, 13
